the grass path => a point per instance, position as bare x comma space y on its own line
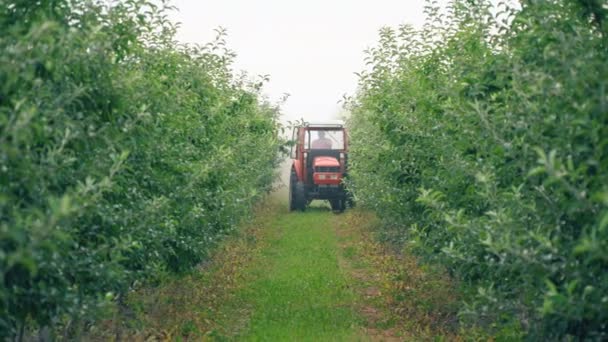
312, 276
298, 289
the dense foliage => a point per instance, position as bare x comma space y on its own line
482, 141
123, 155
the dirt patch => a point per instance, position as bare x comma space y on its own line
387, 335
371, 313
400, 299
372, 292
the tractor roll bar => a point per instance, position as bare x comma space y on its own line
328, 126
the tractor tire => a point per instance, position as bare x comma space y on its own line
350, 201
337, 205
297, 194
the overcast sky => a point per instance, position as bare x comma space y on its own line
310, 48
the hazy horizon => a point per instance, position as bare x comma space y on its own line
310, 50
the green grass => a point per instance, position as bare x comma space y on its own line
298, 291
293, 276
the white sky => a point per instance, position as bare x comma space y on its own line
310, 48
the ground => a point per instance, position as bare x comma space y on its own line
310, 276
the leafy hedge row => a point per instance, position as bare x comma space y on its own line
482, 140
123, 155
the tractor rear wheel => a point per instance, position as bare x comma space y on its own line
350, 201
297, 195
338, 205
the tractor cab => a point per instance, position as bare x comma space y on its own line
319, 161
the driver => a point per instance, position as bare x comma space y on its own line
322, 143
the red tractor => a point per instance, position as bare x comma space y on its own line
320, 157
